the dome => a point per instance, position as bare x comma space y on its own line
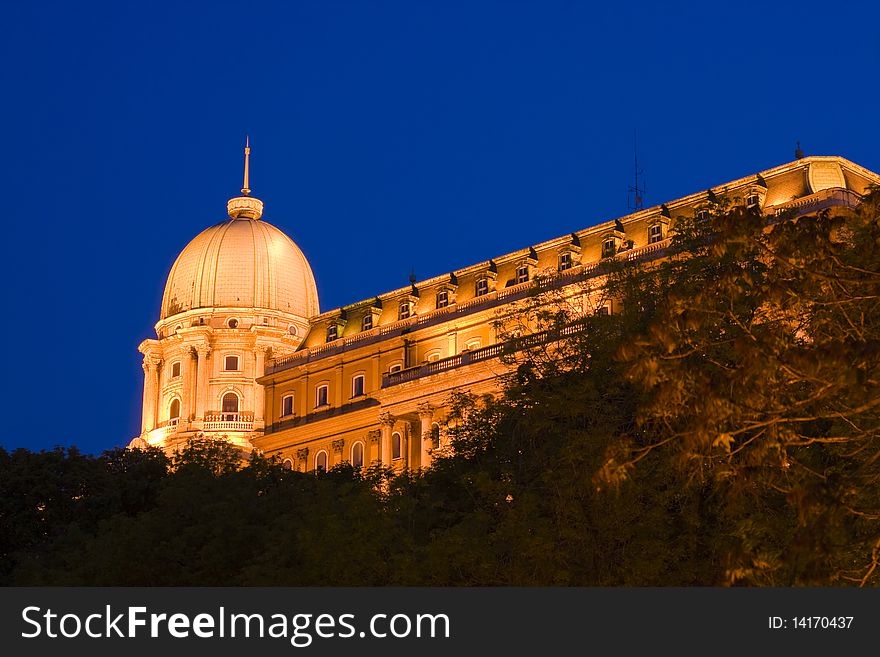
242, 262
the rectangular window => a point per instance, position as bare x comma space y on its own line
332, 332
357, 386
230, 363
565, 261
322, 395
482, 287
286, 405
603, 311
752, 200
655, 233
403, 311
522, 274
175, 370
609, 248
367, 322
442, 299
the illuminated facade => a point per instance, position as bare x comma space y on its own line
371, 382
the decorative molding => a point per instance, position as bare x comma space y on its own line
338, 445
425, 410
302, 453
374, 436
387, 419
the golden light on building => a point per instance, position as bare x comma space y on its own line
371, 381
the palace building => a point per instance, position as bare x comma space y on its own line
243, 353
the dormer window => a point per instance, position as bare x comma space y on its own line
565, 261
332, 332
655, 233
442, 298
752, 200
404, 310
522, 274
703, 215
609, 247
367, 322
482, 287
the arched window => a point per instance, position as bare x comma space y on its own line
357, 455
321, 461
435, 434
395, 445
174, 411
287, 464
230, 406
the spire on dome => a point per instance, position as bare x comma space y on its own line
247, 160
245, 206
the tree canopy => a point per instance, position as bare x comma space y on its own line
720, 428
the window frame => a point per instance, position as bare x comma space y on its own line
652, 237
175, 366
398, 444
363, 454
481, 286
332, 333
363, 387
445, 299
521, 274
565, 261
292, 399
226, 367
404, 310
367, 319
320, 468
325, 387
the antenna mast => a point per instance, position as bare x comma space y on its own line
636, 195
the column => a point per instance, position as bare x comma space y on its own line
452, 343
377, 375
259, 390
151, 394
338, 447
186, 401
338, 393
202, 382
387, 421
374, 439
426, 414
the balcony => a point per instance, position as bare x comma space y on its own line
220, 421
169, 426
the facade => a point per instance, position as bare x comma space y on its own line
371, 382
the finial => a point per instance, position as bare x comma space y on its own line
798, 153
245, 206
412, 276
247, 159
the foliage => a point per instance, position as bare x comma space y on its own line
719, 429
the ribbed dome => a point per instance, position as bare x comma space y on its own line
241, 263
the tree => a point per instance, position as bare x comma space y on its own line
759, 370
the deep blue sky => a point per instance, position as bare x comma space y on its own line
386, 136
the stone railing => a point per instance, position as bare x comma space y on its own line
826, 198
219, 421
477, 355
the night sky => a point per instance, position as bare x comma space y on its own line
386, 137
